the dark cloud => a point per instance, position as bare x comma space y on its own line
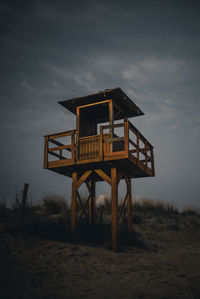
52, 51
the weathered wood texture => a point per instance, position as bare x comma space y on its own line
114, 202
132, 145
98, 151
87, 208
74, 200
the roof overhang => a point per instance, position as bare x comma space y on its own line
120, 99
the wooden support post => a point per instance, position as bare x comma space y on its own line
101, 143
73, 147
152, 162
92, 212
74, 201
77, 133
137, 148
25, 191
126, 135
129, 203
114, 198
111, 119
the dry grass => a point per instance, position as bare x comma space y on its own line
191, 210
156, 207
44, 259
54, 204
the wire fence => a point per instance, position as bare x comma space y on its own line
10, 195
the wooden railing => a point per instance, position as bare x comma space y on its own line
112, 142
140, 149
105, 146
88, 147
64, 150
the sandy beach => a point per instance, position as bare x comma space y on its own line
163, 263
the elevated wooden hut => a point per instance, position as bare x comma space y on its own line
105, 146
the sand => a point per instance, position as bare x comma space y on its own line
167, 266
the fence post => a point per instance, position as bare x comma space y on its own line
23, 204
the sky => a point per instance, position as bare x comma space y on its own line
55, 50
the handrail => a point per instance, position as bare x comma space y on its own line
136, 131
65, 133
88, 137
59, 148
146, 150
113, 126
100, 146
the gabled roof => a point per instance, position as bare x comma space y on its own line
119, 97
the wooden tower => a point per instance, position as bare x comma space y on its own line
94, 151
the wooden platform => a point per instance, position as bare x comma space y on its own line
65, 153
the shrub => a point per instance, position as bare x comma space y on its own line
147, 205
54, 204
190, 210
3, 208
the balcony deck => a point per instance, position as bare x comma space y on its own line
65, 152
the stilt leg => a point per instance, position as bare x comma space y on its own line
91, 189
74, 201
129, 205
114, 197
93, 201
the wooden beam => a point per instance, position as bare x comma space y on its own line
46, 144
83, 178
133, 143
152, 162
83, 208
137, 142
93, 104
141, 137
77, 132
126, 135
57, 155
114, 139
56, 142
122, 207
52, 149
113, 126
91, 189
101, 143
61, 134
129, 203
114, 198
111, 119
119, 176
103, 175
74, 201
73, 147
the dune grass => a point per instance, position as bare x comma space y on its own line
50, 219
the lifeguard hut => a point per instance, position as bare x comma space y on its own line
105, 146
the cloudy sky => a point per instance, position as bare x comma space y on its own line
54, 50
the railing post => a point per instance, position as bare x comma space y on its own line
101, 143
152, 162
111, 119
137, 143
126, 136
77, 146
73, 147
146, 161
46, 145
